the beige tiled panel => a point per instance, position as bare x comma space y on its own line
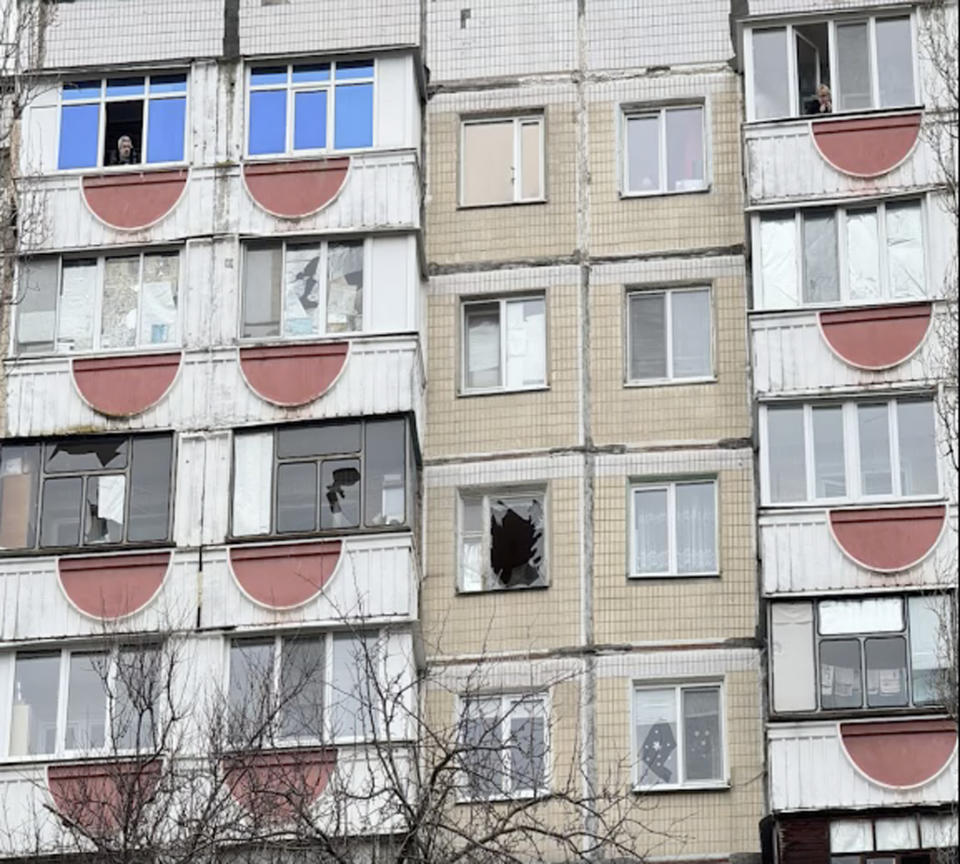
662, 223
461, 425
638, 610
515, 621
506, 232
671, 413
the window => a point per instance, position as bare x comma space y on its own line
669, 335
502, 540
505, 747
892, 833
310, 107
850, 451
872, 653
679, 736
295, 290
76, 700
304, 687
108, 121
664, 151
821, 67
89, 304
501, 161
322, 477
674, 529
102, 491
504, 344
848, 255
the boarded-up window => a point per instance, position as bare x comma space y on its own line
501, 161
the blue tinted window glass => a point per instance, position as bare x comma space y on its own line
268, 121
353, 126
125, 87
165, 135
268, 75
355, 69
317, 72
310, 120
81, 90
168, 84
79, 129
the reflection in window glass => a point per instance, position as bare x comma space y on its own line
302, 674
86, 702
821, 282
484, 758
840, 678
344, 287
828, 452
930, 629
895, 62
916, 431
33, 720
150, 488
643, 154
296, 497
875, 475
786, 454
528, 746
886, 671
384, 481
250, 694
685, 169
60, 519
317, 440
138, 682
853, 60
648, 336
353, 123
655, 713
353, 694
771, 91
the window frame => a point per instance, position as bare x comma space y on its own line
518, 120
291, 87
668, 291
670, 487
839, 215
508, 702
502, 301
366, 290
855, 17
633, 112
507, 493
639, 686
102, 100
851, 452
96, 348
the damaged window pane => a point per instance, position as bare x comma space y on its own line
87, 454
516, 542
340, 494
121, 294
19, 472
104, 508
344, 287
158, 318
78, 291
301, 295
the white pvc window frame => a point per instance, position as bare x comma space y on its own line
518, 121
627, 114
851, 455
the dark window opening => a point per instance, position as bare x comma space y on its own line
813, 68
516, 542
123, 136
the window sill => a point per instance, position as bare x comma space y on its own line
841, 714
813, 308
503, 391
306, 155
852, 503
845, 115
94, 353
669, 382
324, 534
494, 204
650, 577
463, 593
665, 193
89, 757
707, 786
320, 338
115, 170
80, 551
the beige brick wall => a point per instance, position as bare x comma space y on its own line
472, 424
676, 412
698, 220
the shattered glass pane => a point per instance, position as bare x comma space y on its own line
158, 321
78, 292
344, 287
121, 291
106, 495
87, 454
301, 291
340, 494
516, 542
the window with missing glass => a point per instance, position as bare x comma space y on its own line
323, 477
82, 700
297, 290
849, 451
101, 303
502, 160
664, 150
504, 344
308, 687
102, 491
860, 653
310, 107
669, 335
872, 253
502, 540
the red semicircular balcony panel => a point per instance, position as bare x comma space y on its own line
877, 338
292, 190
283, 577
98, 796
900, 755
127, 385
133, 201
277, 785
888, 539
113, 586
292, 375
866, 146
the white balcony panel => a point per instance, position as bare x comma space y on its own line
809, 771
798, 554
380, 376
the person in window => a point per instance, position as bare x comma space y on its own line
820, 103
124, 154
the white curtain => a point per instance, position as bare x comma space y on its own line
650, 530
778, 263
696, 528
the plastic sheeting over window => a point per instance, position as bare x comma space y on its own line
791, 640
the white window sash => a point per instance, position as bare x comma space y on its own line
502, 304
673, 569
662, 161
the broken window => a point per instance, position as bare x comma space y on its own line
135, 298
674, 528
874, 67
678, 736
310, 106
669, 334
664, 150
504, 344
91, 491
139, 120
502, 541
501, 161
323, 476
303, 289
